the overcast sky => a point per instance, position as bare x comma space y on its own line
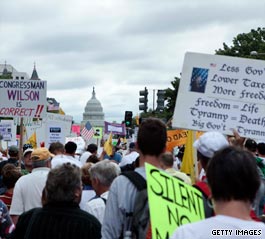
118, 46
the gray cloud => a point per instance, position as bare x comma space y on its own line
117, 46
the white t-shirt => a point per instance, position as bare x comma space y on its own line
129, 158
83, 158
28, 191
61, 159
219, 227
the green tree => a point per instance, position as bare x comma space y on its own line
170, 97
245, 43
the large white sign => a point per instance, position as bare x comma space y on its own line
23, 98
221, 93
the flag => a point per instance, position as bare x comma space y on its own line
55, 106
87, 132
108, 145
187, 165
32, 140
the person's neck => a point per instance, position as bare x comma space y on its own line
154, 160
233, 208
100, 190
10, 190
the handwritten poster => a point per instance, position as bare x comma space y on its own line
221, 93
23, 98
172, 202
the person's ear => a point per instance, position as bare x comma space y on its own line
78, 193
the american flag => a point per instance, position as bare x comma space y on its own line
87, 132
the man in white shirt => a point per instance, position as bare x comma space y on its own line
28, 189
130, 157
234, 181
68, 156
102, 174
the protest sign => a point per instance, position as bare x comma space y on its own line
221, 93
54, 133
179, 203
178, 137
7, 130
98, 132
23, 98
114, 128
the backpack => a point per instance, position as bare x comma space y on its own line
140, 215
204, 188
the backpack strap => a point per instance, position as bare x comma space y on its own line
203, 187
104, 200
137, 179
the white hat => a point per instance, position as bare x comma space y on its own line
210, 142
27, 151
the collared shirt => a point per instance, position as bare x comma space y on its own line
97, 206
28, 191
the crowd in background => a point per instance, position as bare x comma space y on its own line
57, 191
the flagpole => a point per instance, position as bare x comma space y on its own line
195, 161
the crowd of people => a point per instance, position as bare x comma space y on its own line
55, 193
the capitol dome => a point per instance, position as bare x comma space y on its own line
93, 112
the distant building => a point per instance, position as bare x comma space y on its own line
9, 72
93, 112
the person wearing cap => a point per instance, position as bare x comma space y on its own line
13, 153
130, 157
27, 161
258, 204
60, 216
206, 145
28, 189
233, 179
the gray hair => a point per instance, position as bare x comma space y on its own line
105, 171
62, 182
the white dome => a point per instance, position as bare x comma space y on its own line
93, 112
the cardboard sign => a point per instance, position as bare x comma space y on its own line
178, 137
7, 130
23, 98
172, 203
221, 93
98, 132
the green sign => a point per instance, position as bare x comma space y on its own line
172, 202
98, 132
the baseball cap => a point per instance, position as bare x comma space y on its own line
13, 149
210, 142
41, 154
27, 151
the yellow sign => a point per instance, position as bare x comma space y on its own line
97, 132
172, 203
